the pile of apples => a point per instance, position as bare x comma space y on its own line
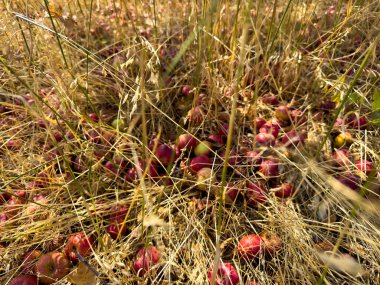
256, 174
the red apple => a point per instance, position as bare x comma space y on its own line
255, 193
271, 242
165, 154
186, 142
201, 99
365, 166
358, 122
29, 261
327, 105
217, 140
41, 124
3, 219
111, 168
270, 99
117, 227
79, 243
249, 246
52, 267
225, 275
341, 158
186, 90
338, 122
120, 211
145, 259
13, 206
269, 168
223, 131
265, 139
285, 190
298, 118
271, 128
292, 139
199, 162
196, 116
14, 144
24, 280
57, 135
131, 175
93, 117
282, 113
253, 158
260, 122
231, 191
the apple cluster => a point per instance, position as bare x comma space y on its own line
256, 173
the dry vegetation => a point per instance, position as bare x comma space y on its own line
128, 60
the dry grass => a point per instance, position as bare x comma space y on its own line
129, 61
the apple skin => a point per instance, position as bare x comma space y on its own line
52, 267
117, 228
357, 122
186, 90
253, 158
269, 168
282, 113
165, 154
249, 246
217, 140
265, 139
226, 274
285, 190
186, 142
24, 280
365, 166
80, 243
270, 99
13, 206
199, 162
196, 116
145, 259
341, 158
29, 261
292, 139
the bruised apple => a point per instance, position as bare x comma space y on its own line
52, 267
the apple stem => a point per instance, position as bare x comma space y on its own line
93, 270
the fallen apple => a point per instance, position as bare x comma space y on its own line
78, 243
145, 260
52, 267
249, 246
225, 275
